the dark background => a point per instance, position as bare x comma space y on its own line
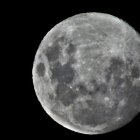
29, 23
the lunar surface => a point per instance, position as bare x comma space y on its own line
86, 73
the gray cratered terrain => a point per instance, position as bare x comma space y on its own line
86, 73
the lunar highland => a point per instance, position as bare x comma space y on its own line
86, 73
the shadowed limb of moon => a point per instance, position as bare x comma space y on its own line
97, 41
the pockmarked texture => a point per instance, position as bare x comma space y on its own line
88, 77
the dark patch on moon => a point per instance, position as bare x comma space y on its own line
40, 69
65, 94
114, 71
98, 87
82, 90
62, 73
53, 51
102, 88
116, 67
135, 71
71, 49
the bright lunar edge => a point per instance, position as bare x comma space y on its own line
86, 73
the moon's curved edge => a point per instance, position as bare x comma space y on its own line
47, 39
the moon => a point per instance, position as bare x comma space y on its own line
86, 73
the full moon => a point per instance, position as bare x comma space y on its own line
86, 73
